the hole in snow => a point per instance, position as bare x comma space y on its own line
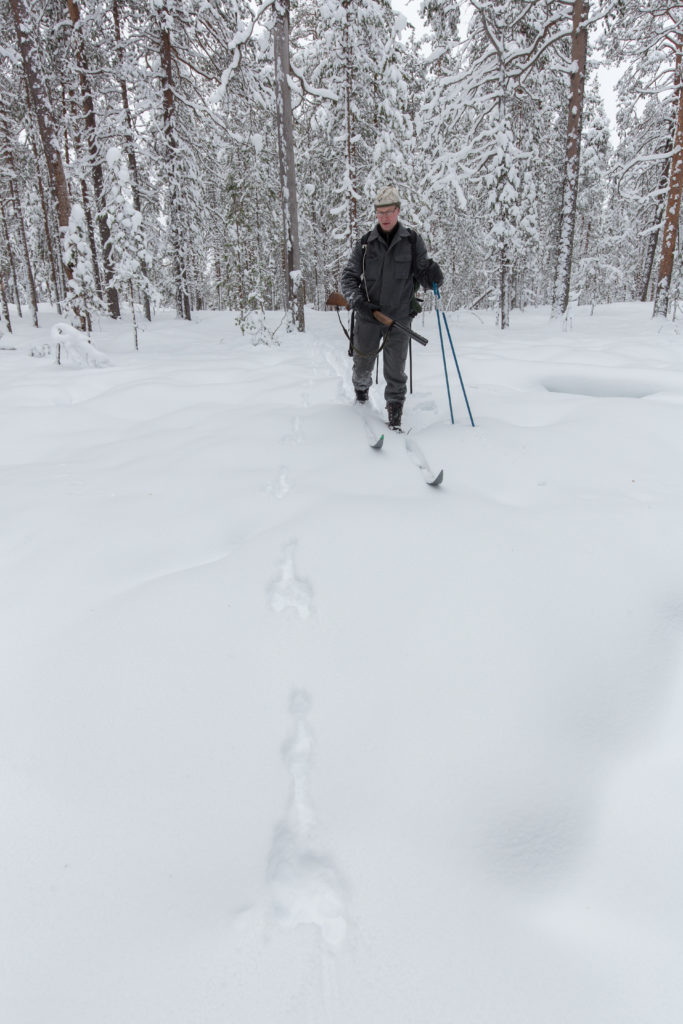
593, 387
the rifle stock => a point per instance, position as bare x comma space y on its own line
337, 300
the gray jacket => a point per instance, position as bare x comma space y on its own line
383, 274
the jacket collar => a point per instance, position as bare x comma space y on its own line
402, 232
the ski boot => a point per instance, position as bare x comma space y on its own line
394, 411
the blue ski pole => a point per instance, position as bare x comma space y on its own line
450, 341
443, 355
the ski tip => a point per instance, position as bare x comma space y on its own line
437, 479
378, 443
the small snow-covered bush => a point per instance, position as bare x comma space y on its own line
74, 350
252, 324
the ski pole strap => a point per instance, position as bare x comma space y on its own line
383, 343
368, 355
347, 333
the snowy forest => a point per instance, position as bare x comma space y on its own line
222, 154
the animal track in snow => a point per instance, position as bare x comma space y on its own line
282, 487
305, 886
288, 590
296, 436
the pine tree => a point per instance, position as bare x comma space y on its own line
93, 148
577, 79
28, 35
10, 183
496, 90
285, 138
354, 60
648, 38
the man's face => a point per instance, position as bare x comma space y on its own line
387, 216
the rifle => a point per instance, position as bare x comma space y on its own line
337, 300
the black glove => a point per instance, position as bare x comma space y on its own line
433, 274
365, 309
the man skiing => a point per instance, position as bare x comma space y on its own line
381, 275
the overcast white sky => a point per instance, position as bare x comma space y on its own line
410, 8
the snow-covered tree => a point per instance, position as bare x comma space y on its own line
498, 89
128, 240
354, 59
572, 162
648, 40
152, 161
284, 125
12, 205
92, 145
591, 264
29, 29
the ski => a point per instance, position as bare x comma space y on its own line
375, 439
418, 457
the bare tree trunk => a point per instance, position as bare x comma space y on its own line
48, 138
8, 160
30, 279
349, 128
653, 238
652, 242
285, 140
56, 265
673, 203
87, 212
85, 199
350, 161
171, 143
51, 242
218, 275
505, 288
5, 305
570, 188
10, 257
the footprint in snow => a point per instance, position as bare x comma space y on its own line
288, 590
305, 885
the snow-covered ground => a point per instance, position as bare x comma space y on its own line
289, 737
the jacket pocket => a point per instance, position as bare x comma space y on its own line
402, 265
373, 273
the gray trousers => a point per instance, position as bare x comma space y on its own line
367, 338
